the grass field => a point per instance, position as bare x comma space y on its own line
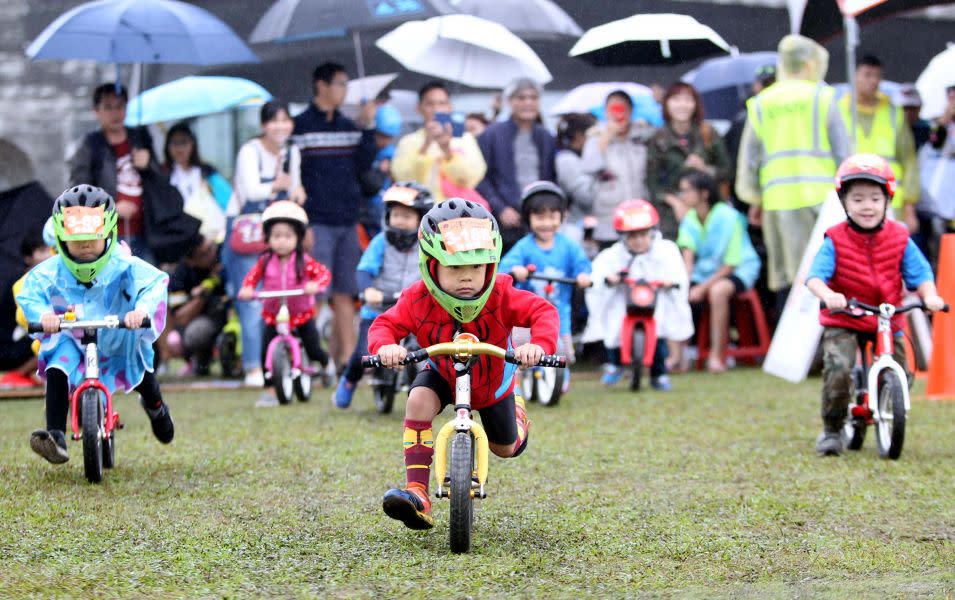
710, 490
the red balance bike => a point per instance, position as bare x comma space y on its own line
638, 332
881, 388
91, 405
291, 375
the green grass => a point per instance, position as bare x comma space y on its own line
711, 490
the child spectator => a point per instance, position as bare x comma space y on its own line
862, 258
90, 275
719, 257
286, 266
543, 208
643, 254
459, 247
388, 266
378, 179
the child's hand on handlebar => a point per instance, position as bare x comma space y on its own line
134, 319
373, 296
50, 322
835, 301
584, 280
933, 302
392, 355
312, 288
528, 354
520, 273
246, 293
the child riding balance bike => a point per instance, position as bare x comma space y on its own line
538, 261
285, 266
866, 258
460, 293
99, 279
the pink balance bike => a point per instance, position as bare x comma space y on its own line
291, 375
92, 417
881, 388
638, 332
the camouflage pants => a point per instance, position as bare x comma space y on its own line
839, 347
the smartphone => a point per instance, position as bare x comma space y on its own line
456, 120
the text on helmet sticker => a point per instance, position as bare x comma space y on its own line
633, 219
466, 233
401, 195
83, 220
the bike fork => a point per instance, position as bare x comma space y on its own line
461, 423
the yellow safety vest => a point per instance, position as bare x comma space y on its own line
881, 139
789, 118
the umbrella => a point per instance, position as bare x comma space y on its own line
648, 39
367, 87
586, 97
528, 19
823, 19
140, 31
932, 84
292, 20
193, 96
728, 71
465, 49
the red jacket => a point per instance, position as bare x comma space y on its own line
869, 269
418, 313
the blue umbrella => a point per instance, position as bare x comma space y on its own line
140, 31
193, 96
728, 71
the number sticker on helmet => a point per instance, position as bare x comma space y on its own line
468, 233
83, 220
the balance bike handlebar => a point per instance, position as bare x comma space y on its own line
388, 301
869, 309
109, 322
464, 351
533, 274
657, 285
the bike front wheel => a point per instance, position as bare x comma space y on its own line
282, 374
890, 428
91, 413
636, 357
462, 494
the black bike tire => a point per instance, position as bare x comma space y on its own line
553, 397
889, 383
282, 370
529, 385
462, 502
384, 390
636, 358
857, 437
91, 415
229, 359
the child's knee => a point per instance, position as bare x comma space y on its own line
423, 404
504, 450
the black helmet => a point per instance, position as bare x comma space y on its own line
77, 217
412, 195
542, 195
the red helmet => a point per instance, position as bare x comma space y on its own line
635, 215
865, 167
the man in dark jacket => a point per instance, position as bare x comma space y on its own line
117, 159
335, 151
518, 152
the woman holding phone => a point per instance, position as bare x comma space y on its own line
616, 154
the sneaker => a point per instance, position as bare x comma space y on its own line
661, 383
343, 393
829, 444
411, 506
254, 379
160, 419
267, 400
51, 445
612, 375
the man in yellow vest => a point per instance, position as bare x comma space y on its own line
881, 129
792, 143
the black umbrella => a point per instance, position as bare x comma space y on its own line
293, 20
822, 19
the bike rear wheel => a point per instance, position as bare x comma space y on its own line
282, 374
462, 499
386, 381
229, 358
528, 385
91, 413
636, 358
549, 385
890, 428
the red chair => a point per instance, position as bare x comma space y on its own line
754, 337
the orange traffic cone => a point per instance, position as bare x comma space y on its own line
941, 371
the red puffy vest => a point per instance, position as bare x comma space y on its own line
869, 269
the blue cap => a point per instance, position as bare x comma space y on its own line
388, 120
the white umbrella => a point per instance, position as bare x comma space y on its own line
648, 39
938, 76
465, 49
528, 19
584, 98
366, 88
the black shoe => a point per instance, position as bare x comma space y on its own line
829, 444
411, 506
51, 445
160, 419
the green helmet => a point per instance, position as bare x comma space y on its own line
458, 232
85, 213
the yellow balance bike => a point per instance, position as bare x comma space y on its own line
460, 449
